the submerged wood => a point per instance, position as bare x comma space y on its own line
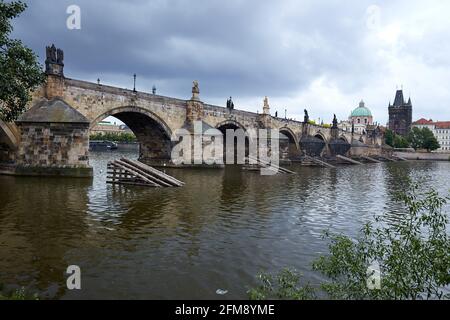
131, 172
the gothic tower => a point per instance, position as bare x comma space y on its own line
400, 114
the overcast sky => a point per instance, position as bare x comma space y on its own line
321, 55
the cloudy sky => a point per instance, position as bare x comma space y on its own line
322, 55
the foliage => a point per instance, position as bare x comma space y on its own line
412, 252
400, 142
125, 137
285, 285
18, 294
312, 122
423, 139
395, 140
326, 125
20, 73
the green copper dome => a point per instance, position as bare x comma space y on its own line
361, 111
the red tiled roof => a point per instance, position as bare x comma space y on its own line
442, 125
423, 121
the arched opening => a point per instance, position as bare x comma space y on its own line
137, 130
312, 145
8, 142
236, 152
319, 136
288, 145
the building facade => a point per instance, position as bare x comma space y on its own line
104, 127
400, 114
360, 118
440, 129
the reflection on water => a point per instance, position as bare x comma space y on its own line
217, 232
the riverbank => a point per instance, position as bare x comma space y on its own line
429, 156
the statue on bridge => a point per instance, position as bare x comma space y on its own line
306, 118
230, 104
335, 122
60, 56
266, 107
195, 88
51, 54
195, 91
54, 62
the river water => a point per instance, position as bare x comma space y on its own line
217, 232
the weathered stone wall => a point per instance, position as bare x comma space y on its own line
53, 145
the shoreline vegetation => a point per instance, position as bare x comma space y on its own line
123, 137
410, 256
16, 294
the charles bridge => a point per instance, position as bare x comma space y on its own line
52, 137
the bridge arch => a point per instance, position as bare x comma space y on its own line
234, 155
152, 133
132, 109
230, 124
344, 138
321, 136
7, 136
289, 144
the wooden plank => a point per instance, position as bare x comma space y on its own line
131, 183
271, 165
371, 159
320, 162
135, 173
161, 175
400, 158
348, 159
154, 172
144, 174
387, 159
125, 171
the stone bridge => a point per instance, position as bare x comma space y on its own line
54, 132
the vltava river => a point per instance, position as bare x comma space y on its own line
217, 232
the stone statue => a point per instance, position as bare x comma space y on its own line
50, 54
335, 122
60, 56
230, 104
195, 88
53, 53
47, 53
266, 108
306, 118
353, 127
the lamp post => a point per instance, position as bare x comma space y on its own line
134, 84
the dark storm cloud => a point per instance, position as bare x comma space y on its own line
242, 48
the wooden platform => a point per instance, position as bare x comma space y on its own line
267, 165
132, 172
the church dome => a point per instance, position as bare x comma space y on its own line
361, 111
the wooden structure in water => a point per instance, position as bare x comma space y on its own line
319, 162
370, 159
267, 165
351, 161
132, 172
